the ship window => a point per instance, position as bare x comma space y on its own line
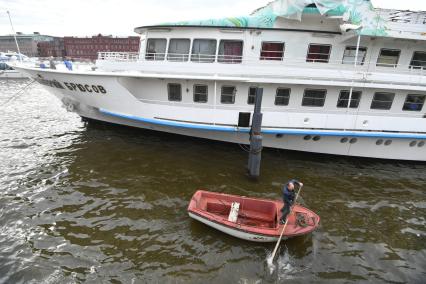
282, 97
313, 97
203, 50
251, 95
200, 93
230, 51
349, 55
414, 102
388, 57
344, 98
178, 49
318, 53
272, 51
418, 60
382, 101
228, 95
175, 92
155, 49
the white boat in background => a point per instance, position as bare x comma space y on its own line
338, 77
7, 72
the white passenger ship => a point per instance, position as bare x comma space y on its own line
338, 77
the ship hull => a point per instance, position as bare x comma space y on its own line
110, 98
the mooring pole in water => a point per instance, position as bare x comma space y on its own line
255, 154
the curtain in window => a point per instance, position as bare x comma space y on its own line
203, 50
155, 49
272, 51
178, 49
230, 51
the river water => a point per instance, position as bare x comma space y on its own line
100, 203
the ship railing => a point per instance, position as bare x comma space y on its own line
118, 56
416, 67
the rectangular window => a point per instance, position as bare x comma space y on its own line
228, 95
382, 101
349, 55
178, 49
230, 51
155, 49
200, 93
251, 95
388, 57
282, 97
414, 102
318, 53
203, 50
314, 97
343, 99
272, 51
418, 60
175, 92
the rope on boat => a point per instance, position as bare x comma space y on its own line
301, 220
18, 93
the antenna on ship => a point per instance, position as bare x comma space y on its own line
14, 35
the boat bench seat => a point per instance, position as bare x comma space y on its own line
248, 214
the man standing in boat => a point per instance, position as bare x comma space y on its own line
288, 198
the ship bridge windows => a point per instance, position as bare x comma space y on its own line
228, 95
414, 102
203, 50
272, 51
318, 53
155, 49
388, 57
282, 96
382, 100
178, 49
230, 51
418, 60
314, 97
174, 92
200, 93
342, 101
350, 53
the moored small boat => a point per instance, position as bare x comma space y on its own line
251, 219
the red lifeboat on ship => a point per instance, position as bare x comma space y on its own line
251, 219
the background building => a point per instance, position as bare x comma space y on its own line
27, 43
53, 48
36, 45
88, 48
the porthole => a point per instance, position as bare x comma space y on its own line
344, 140
353, 140
421, 144
307, 137
413, 143
279, 135
379, 142
316, 138
388, 142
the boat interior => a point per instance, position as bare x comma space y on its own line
251, 212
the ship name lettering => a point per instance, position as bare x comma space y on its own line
85, 88
49, 83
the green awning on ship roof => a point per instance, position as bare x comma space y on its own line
357, 12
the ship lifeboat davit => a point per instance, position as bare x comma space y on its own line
251, 219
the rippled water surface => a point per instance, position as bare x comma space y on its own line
100, 203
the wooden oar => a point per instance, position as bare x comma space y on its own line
271, 259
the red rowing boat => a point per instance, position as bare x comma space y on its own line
250, 219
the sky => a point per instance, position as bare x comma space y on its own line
120, 17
